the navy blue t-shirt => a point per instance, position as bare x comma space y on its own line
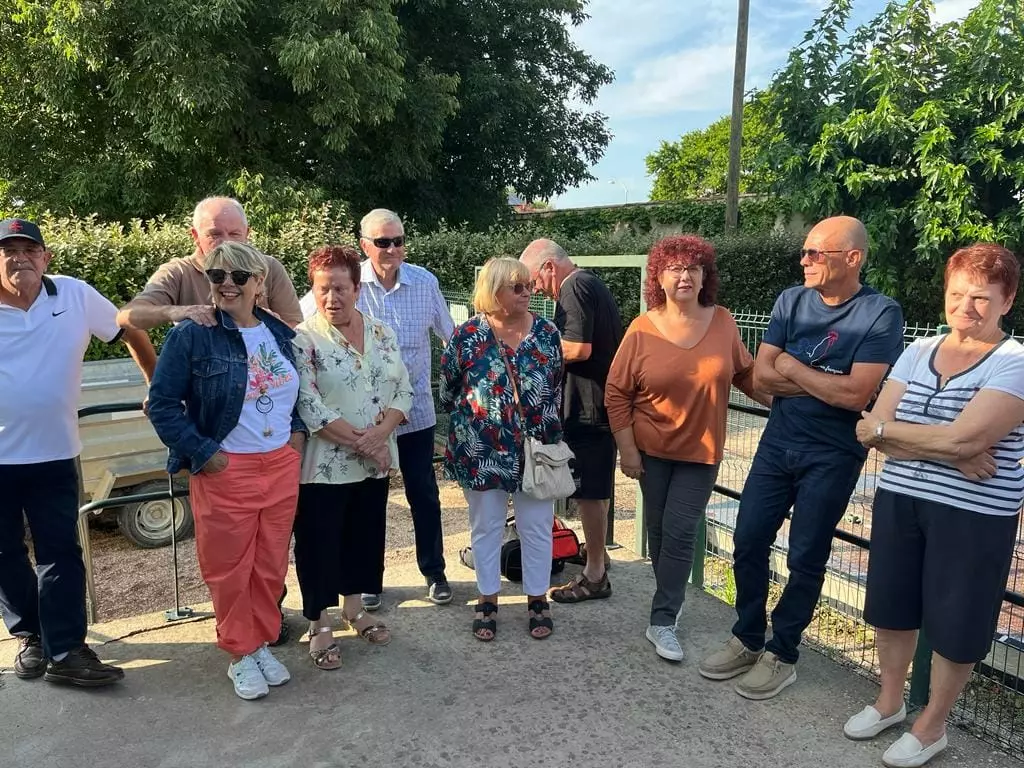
868, 328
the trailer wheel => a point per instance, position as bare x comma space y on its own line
148, 523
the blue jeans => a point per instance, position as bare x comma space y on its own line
51, 600
416, 460
817, 484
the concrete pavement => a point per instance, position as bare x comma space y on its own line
594, 694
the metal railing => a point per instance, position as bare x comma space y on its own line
95, 507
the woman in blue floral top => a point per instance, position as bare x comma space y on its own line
487, 429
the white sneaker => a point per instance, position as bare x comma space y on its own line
249, 681
869, 722
666, 644
274, 672
908, 752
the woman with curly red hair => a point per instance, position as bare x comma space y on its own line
667, 395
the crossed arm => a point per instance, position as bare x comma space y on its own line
778, 373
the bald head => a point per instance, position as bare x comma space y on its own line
843, 233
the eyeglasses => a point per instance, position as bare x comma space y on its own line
22, 253
818, 256
387, 242
692, 269
238, 276
519, 288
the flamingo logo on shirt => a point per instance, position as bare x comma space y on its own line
820, 350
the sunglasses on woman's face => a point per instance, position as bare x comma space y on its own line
386, 242
519, 288
238, 276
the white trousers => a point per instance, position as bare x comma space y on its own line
487, 514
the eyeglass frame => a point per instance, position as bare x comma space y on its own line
821, 254
236, 276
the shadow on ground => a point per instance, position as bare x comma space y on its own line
592, 694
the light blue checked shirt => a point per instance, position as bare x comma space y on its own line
413, 308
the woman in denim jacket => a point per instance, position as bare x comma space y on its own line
240, 436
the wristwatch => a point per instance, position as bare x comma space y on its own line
880, 430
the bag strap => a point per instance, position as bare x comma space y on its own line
511, 378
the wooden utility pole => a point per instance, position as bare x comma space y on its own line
732, 188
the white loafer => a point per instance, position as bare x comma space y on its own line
908, 752
869, 722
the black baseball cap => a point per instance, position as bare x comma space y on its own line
10, 228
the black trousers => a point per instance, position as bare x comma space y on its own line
49, 601
339, 541
416, 460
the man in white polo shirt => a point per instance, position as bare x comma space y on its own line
46, 323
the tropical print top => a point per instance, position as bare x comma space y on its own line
336, 382
485, 432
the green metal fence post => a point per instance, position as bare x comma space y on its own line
921, 673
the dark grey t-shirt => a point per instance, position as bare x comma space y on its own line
586, 312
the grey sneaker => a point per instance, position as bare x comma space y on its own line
767, 678
733, 659
370, 602
665, 642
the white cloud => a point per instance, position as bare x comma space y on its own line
952, 10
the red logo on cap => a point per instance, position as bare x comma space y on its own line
14, 226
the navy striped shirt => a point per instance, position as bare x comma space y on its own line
927, 402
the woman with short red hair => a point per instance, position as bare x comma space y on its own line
353, 392
667, 396
950, 420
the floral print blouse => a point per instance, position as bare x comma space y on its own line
485, 433
336, 382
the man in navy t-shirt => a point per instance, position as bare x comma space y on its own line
828, 346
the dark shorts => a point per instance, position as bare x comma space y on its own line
593, 469
940, 569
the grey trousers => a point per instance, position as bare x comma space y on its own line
675, 495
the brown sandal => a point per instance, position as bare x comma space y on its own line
375, 633
581, 588
324, 658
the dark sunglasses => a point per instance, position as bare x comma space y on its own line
238, 276
387, 242
519, 288
818, 256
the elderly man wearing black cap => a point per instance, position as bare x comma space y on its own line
46, 323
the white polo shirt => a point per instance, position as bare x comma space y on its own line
41, 357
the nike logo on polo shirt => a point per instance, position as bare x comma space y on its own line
59, 313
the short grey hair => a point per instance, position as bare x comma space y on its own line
207, 202
377, 218
542, 250
231, 255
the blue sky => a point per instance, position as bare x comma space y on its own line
673, 62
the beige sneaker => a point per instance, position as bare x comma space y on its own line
769, 676
733, 659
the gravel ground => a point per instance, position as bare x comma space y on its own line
132, 581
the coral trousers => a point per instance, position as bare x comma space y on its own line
244, 516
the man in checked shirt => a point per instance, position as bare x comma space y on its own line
407, 298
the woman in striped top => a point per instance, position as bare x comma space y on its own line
950, 420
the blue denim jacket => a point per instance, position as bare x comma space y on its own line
206, 368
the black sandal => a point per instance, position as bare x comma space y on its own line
538, 620
487, 623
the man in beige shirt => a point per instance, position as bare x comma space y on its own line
179, 289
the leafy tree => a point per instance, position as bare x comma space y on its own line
697, 165
918, 129
138, 108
